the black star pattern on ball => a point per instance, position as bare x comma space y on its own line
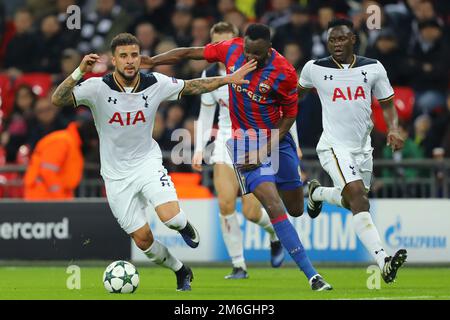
120, 263
126, 278
116, 291
109, 276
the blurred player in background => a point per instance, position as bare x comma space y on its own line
124, 104
345, 83
225, 182
262, 112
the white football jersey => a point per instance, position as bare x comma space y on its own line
124, 121
345, 94
219, 97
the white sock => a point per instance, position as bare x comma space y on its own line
330, 195
159, 254
178, 222
265, 223
232, 236
368, 234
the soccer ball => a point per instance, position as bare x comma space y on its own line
121, 277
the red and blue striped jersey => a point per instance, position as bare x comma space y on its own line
271, 93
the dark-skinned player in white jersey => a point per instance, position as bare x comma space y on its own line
345, 83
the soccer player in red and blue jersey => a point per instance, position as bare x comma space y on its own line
262, 112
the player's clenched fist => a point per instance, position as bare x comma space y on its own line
395, 140
146, 62
88, 62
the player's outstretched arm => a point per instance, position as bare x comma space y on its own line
394, 139
202, 85
63, 93
173, 56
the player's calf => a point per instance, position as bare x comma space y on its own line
293, 201
226, 206
252, 212
143, 237
355, 196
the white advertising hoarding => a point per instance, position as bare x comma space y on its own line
421, 226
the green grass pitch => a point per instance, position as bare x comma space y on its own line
209, 284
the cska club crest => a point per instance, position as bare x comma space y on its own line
231, 69
264, 87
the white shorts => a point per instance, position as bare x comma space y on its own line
129, 197
220, 153
344, 166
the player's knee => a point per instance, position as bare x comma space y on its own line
296, 210
345, 204
143, 242
253, 214
359, 203
274, 210
226, 206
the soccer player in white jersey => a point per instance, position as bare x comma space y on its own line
225, 181
124, 104
345, 84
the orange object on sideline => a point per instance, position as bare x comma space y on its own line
56, 166
188, 186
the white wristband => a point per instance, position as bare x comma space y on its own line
77, 74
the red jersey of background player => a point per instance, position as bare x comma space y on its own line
257, 105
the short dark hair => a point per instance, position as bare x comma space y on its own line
434, 23
341, 22
224, 27
124, 39
258, 31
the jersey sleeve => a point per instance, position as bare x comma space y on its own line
382, 88
207, 98
169, 88
288, 95
217, 52
305, 79
85, 93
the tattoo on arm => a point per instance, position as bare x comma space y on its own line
199, 86
63, 93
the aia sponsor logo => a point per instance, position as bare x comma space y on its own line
345, 94
127, 119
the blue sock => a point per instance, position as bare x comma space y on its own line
290, 240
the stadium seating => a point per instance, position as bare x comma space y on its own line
404, 103
6, 95
40, 83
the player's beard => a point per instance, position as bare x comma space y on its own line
127, 78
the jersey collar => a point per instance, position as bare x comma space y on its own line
117, 86
340, 66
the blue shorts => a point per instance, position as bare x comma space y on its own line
282, 170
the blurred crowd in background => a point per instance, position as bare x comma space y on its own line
37, 51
